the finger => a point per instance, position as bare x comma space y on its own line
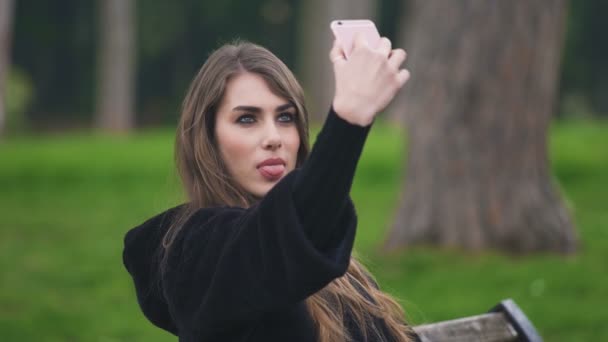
384, 46
336, 55
403, 76
359, 41
396, 58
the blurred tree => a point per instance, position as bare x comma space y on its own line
53, 46
55, 43
584, 79
6, 24
389, 18
315, 38
174, 45
116, 72
484, 79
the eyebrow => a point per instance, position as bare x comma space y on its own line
258, 109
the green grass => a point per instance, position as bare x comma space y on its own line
66, 202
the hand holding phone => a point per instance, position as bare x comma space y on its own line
345, 32
367, 71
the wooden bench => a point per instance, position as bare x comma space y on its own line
505, 322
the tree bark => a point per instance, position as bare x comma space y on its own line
6, 24
116, 57
477, 109
314, 66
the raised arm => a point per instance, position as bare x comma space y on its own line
365, 85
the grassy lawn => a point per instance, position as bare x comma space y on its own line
66, 202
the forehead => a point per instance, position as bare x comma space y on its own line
252, 90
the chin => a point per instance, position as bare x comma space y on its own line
265, 190
258, 191
261, 190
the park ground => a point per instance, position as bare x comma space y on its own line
67, 201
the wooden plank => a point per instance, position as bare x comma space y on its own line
525, 329
490, 327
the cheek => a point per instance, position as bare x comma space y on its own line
235, 148
292, 141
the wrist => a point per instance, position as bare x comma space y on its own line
352, 114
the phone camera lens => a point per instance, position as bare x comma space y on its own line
339, 23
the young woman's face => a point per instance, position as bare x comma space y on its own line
256, 133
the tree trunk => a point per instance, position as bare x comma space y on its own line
6, 23
395, 112
116, 87
483, 88
314, 66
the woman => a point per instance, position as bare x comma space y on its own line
262, 249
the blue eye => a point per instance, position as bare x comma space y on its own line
286, 117
246, 119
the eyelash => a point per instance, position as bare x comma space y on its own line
291, 118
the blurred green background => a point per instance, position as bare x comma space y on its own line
68, 192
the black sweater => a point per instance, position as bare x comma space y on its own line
238, 274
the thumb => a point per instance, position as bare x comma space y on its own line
359, 41
336, 55
403, 76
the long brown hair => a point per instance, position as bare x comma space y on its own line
208, 183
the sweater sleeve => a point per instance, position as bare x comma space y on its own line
322, 187
229, 265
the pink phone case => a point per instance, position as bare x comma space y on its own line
345, 30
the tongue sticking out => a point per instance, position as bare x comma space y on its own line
272, 171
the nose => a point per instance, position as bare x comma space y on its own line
272, 137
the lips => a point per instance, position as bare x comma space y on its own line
272, 169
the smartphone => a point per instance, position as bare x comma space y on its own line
345, 30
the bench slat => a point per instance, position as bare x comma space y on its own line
506, 322
490, 327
